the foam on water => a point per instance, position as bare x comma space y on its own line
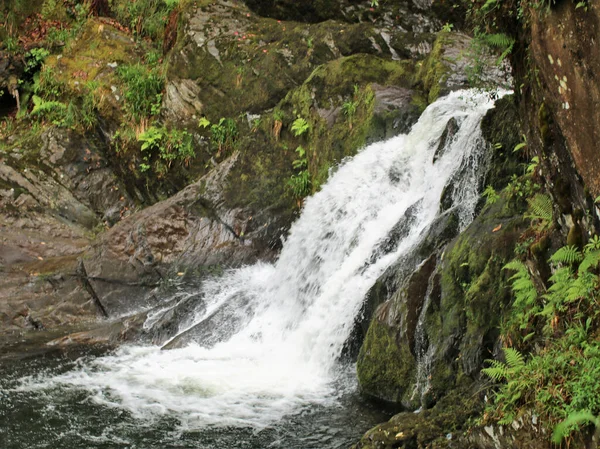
287, 323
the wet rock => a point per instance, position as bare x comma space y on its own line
219, 326
191, 230
447, 137
470, 284
562, 48
395, 111
429, 428
176, 317
447, 67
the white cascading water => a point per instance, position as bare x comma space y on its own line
292, 318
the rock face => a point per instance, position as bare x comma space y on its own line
190, 231
455, 288
50, 204
562, 48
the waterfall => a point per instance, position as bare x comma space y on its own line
276, 331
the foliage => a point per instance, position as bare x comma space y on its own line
349, 109
559, 382
35, 58
302, 161
145, 17
224, 134
53, 111
521, 187
300, 182
540, 209
47, 85
164, 146
572, 422
54, 10
515, 387
300, 127
490, 195
143, 87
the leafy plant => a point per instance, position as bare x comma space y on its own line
302, 161
11, 43
559, 382
540, 209
490, 195
277, 123
143, 87
447, 27
300, 184
299, 127
566, 255
47, 85
224, 134
53, 111
145, 17
573, 421
515, 386
521, 187
168, 145
35, 58
349, 109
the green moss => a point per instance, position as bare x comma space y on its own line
429, 428
432, 72
475, 293
385, 368
500, 126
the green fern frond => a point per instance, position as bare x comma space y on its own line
497, 371
571, 423
567, 255
499, 40
582, 287
514, 359
590, 260
560, 279
522, 285
540, 208
515, 265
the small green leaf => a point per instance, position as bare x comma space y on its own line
519, 146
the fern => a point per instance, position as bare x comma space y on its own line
499, 40
567, 255
299, 126
514, 359
508, 371
590, 260
571, 423
540, 208
522, 285
42, 107
594, 243
497, 371
582, 287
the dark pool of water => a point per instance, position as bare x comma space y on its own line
70, 419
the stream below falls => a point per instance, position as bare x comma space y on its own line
269, 373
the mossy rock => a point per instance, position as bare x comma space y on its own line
438, 427
260, 178
239, 62
474, 295
385, 366
500, 126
